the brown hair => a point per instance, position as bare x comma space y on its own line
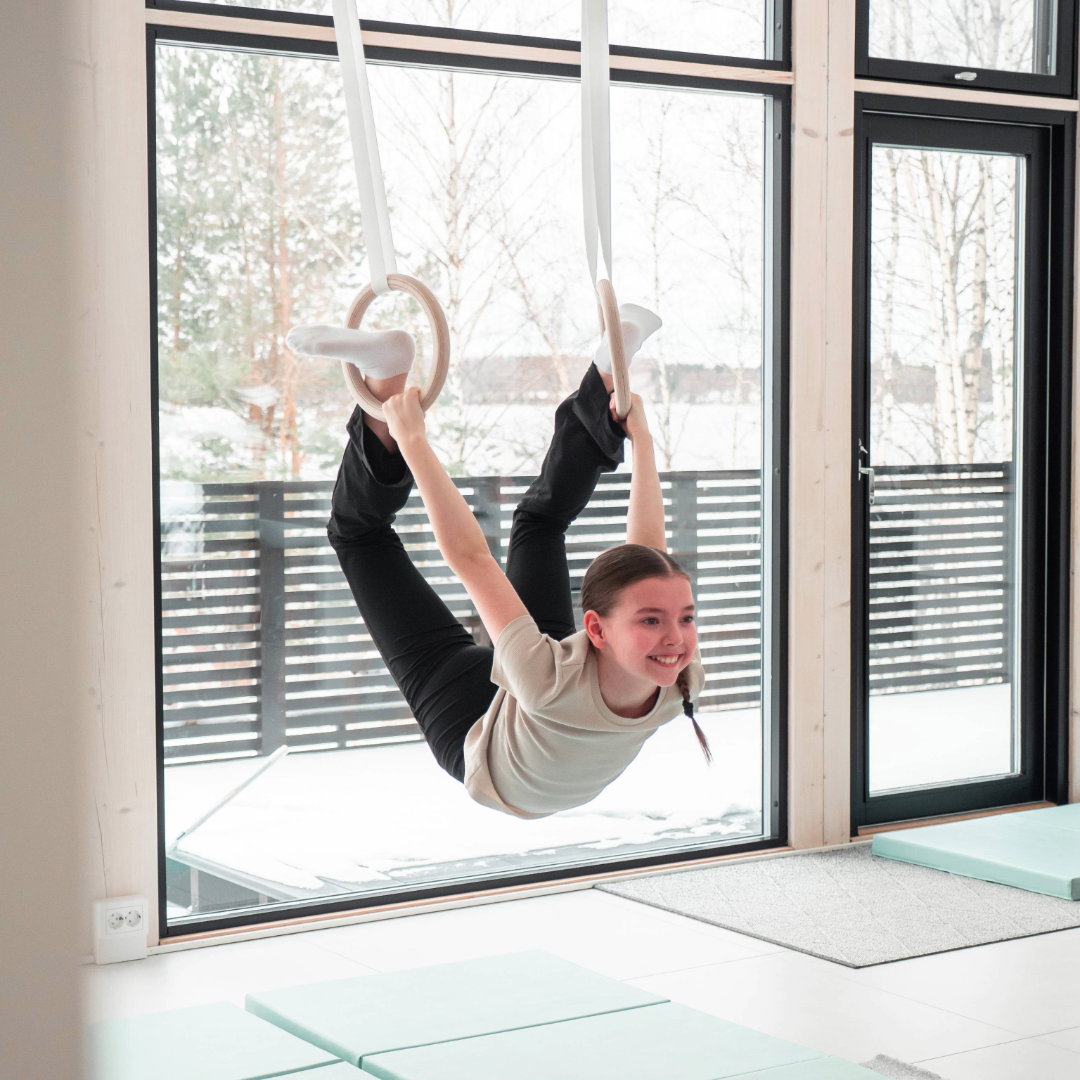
619, 567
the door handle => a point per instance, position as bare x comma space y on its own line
865, 470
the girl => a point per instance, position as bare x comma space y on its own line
549, 716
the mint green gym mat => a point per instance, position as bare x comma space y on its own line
1036, 850
353, 1018
664, 1040
340, 1070
207, 1042
525, 1016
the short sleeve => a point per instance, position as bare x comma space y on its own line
525, 664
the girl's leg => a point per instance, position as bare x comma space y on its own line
586, 443
443, 674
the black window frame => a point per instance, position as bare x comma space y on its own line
778, 234
1061, 84
1046, 452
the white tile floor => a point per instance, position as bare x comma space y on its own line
1009, 1011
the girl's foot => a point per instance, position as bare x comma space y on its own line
638, 324
379, 355
384, 358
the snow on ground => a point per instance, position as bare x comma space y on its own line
940, 736
386, 816
383, 818
213, 440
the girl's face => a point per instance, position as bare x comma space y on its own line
650, 632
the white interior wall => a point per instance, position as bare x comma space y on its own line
117, 669
40, 624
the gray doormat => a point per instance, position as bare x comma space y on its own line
898, 1070
848, 906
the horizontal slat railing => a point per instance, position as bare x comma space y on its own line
262, 643
211, 611
940, 577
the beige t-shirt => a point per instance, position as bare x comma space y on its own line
548, 742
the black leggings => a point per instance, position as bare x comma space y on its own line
443, 674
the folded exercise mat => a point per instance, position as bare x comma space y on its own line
822, 1068
664, 1040
1037, 850
353, 1018
340, 1070
207, 1042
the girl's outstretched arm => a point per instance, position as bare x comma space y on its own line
457, 533
645, 517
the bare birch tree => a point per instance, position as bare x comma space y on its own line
943, 294
996, 34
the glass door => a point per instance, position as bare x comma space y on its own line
948, 360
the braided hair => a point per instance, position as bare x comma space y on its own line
615, 569
688, 710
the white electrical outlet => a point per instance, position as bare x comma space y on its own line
119, 929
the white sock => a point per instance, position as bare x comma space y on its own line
638, 324
380, 354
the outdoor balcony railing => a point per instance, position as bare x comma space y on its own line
262, 643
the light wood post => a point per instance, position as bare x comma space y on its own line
838, 430
113, 520
820, 511
809, 183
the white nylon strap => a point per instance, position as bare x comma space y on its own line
365, 145
596, 131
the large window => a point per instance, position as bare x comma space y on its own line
257, 229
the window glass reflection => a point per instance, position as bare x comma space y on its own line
722, 27
1002, 35
258, 230
945, 291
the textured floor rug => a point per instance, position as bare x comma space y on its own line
898, 1070
850, 907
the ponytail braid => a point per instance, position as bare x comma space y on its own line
688, 709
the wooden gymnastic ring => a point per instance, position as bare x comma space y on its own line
440, 335
610, 321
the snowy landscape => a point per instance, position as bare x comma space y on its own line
385, 818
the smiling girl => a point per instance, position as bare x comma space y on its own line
549, 716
